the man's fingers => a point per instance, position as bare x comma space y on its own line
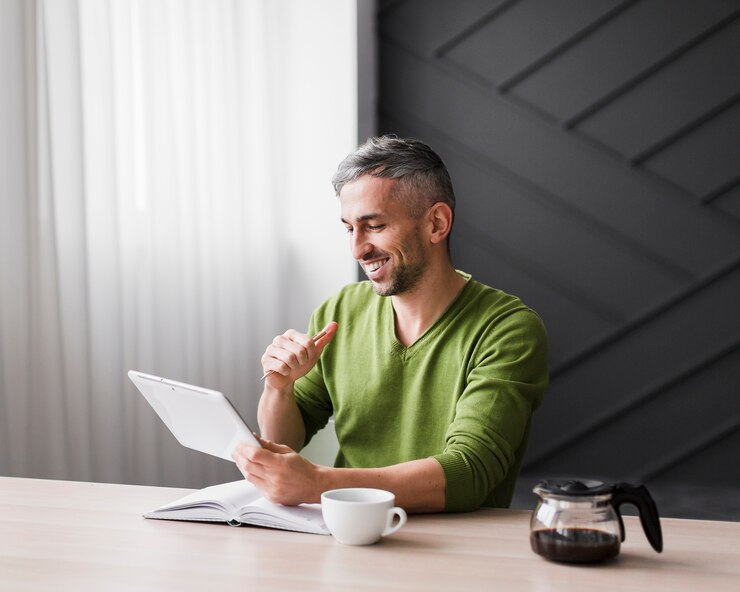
257, 481
248, 467
273, 447
300, 346
269, 453
287, 351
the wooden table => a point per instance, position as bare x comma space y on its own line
60, 535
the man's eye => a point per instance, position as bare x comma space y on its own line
349, 229
376, 226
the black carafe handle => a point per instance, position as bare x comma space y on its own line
639, 496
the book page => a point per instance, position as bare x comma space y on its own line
303, 518
217, 502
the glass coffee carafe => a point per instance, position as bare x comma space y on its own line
579, 520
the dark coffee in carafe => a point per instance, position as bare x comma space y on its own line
575, 545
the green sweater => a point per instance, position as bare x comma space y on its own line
463, 393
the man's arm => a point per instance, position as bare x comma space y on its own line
285, 477
279, 417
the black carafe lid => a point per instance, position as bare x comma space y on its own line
574, 487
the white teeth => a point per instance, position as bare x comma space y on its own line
375, 266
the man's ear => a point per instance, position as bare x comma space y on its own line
440, 218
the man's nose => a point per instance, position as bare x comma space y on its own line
360, 247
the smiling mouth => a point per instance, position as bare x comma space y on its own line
375, 265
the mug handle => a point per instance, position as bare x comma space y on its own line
390, 528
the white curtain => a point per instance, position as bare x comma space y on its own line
166, 207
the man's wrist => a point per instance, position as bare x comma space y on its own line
327, 479
279, 392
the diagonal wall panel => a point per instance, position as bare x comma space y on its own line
651, 354
593, 147
522, 37
647, 440
635, 41
678, 95
729, 202
704, 160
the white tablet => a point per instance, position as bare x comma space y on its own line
199, 418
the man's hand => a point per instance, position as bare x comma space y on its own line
281, 474
292, 354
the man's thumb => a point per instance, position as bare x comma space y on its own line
329, 332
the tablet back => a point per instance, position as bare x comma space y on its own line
200, 418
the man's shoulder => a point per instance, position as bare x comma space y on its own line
494, 298
494, 303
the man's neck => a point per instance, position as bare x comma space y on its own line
418, 310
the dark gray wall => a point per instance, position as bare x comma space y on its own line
595, 150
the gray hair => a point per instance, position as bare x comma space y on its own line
423, 179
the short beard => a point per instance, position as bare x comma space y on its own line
405, 277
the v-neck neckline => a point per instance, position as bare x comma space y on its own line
406, 352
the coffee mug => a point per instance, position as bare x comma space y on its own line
361, 516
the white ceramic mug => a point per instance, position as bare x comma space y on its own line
361, 516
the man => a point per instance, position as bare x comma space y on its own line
432, 377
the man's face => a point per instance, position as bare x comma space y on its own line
384, 238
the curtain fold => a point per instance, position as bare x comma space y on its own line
148, 175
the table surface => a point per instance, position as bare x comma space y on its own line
65, 535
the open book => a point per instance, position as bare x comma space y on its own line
239, 503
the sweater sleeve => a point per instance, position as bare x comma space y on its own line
506, 378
